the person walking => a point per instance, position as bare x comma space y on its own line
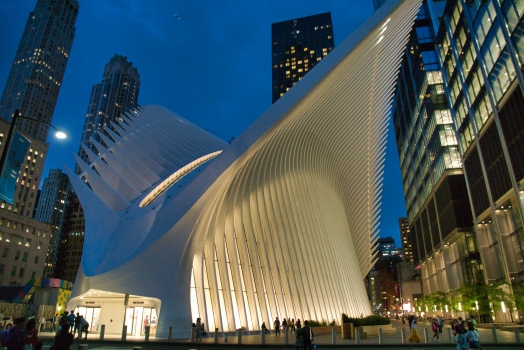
440, 322
434, 328
276, 326
77, 324
472, 337
54, 319
284, 325
292, 326
17, 335
32, 334
473, 322
307, 336
297, 324
299, 341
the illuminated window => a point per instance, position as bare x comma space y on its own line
329, 37
312, 52
293, 67
305, 49
300, 70
275, 66
324, 50
288, 72
319, 58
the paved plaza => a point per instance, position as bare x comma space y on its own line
506, 339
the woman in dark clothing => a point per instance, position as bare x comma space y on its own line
32, 334
63, 340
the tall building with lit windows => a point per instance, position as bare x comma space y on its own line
297, 46
117, 93
405, 236
481, 49
441, 232
33, 85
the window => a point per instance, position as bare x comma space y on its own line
33, 275
5, 252
2, 267
17, 255
28, 243
24, 257
36, 259
21, 272
13, 271
39, 245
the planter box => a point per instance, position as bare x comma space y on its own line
325, 329
366, 331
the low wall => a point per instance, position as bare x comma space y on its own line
366, 331
325, 329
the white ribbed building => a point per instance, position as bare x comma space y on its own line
282, 222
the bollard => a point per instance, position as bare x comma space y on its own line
357, 335
263, 337
240, 336
286, 333
403, 332
193, 334
517, 335
216, 335
494, 333
450, 335
426, 335
225, 337
146, 332
82, 347
333, 336
124, 333
170, 334
380, 336
102, 332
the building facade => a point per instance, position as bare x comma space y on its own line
23, 243
439, 216
480, 47
297, 46
53, 200
33, 85
405, 237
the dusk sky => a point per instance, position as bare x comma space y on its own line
212, 66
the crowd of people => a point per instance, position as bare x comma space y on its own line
465, 334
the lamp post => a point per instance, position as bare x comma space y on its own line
4, 178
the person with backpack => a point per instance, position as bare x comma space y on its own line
472, 337
17, 335
307, 336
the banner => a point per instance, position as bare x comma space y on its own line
16, 152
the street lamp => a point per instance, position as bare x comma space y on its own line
13, 156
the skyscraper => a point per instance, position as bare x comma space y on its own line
297, 45
405, 236
51, 210
480, 47
33, 85
35, 78
116, 94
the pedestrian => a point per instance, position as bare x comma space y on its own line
264, 327
17, 335
77, 324
146, 324
71, 320
292, 326
153, 326
307, 336
472, 337
42, 323
434, 328
299, 341
64, 339
474, 322
403, 320
298, 323
276, 326
198, 326
460, 338
84, 327
440, 322
54, 319
32, 334
284, 325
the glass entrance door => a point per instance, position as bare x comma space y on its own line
91, 315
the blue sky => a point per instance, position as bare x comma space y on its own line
212, 66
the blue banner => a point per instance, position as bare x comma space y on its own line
13, 162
